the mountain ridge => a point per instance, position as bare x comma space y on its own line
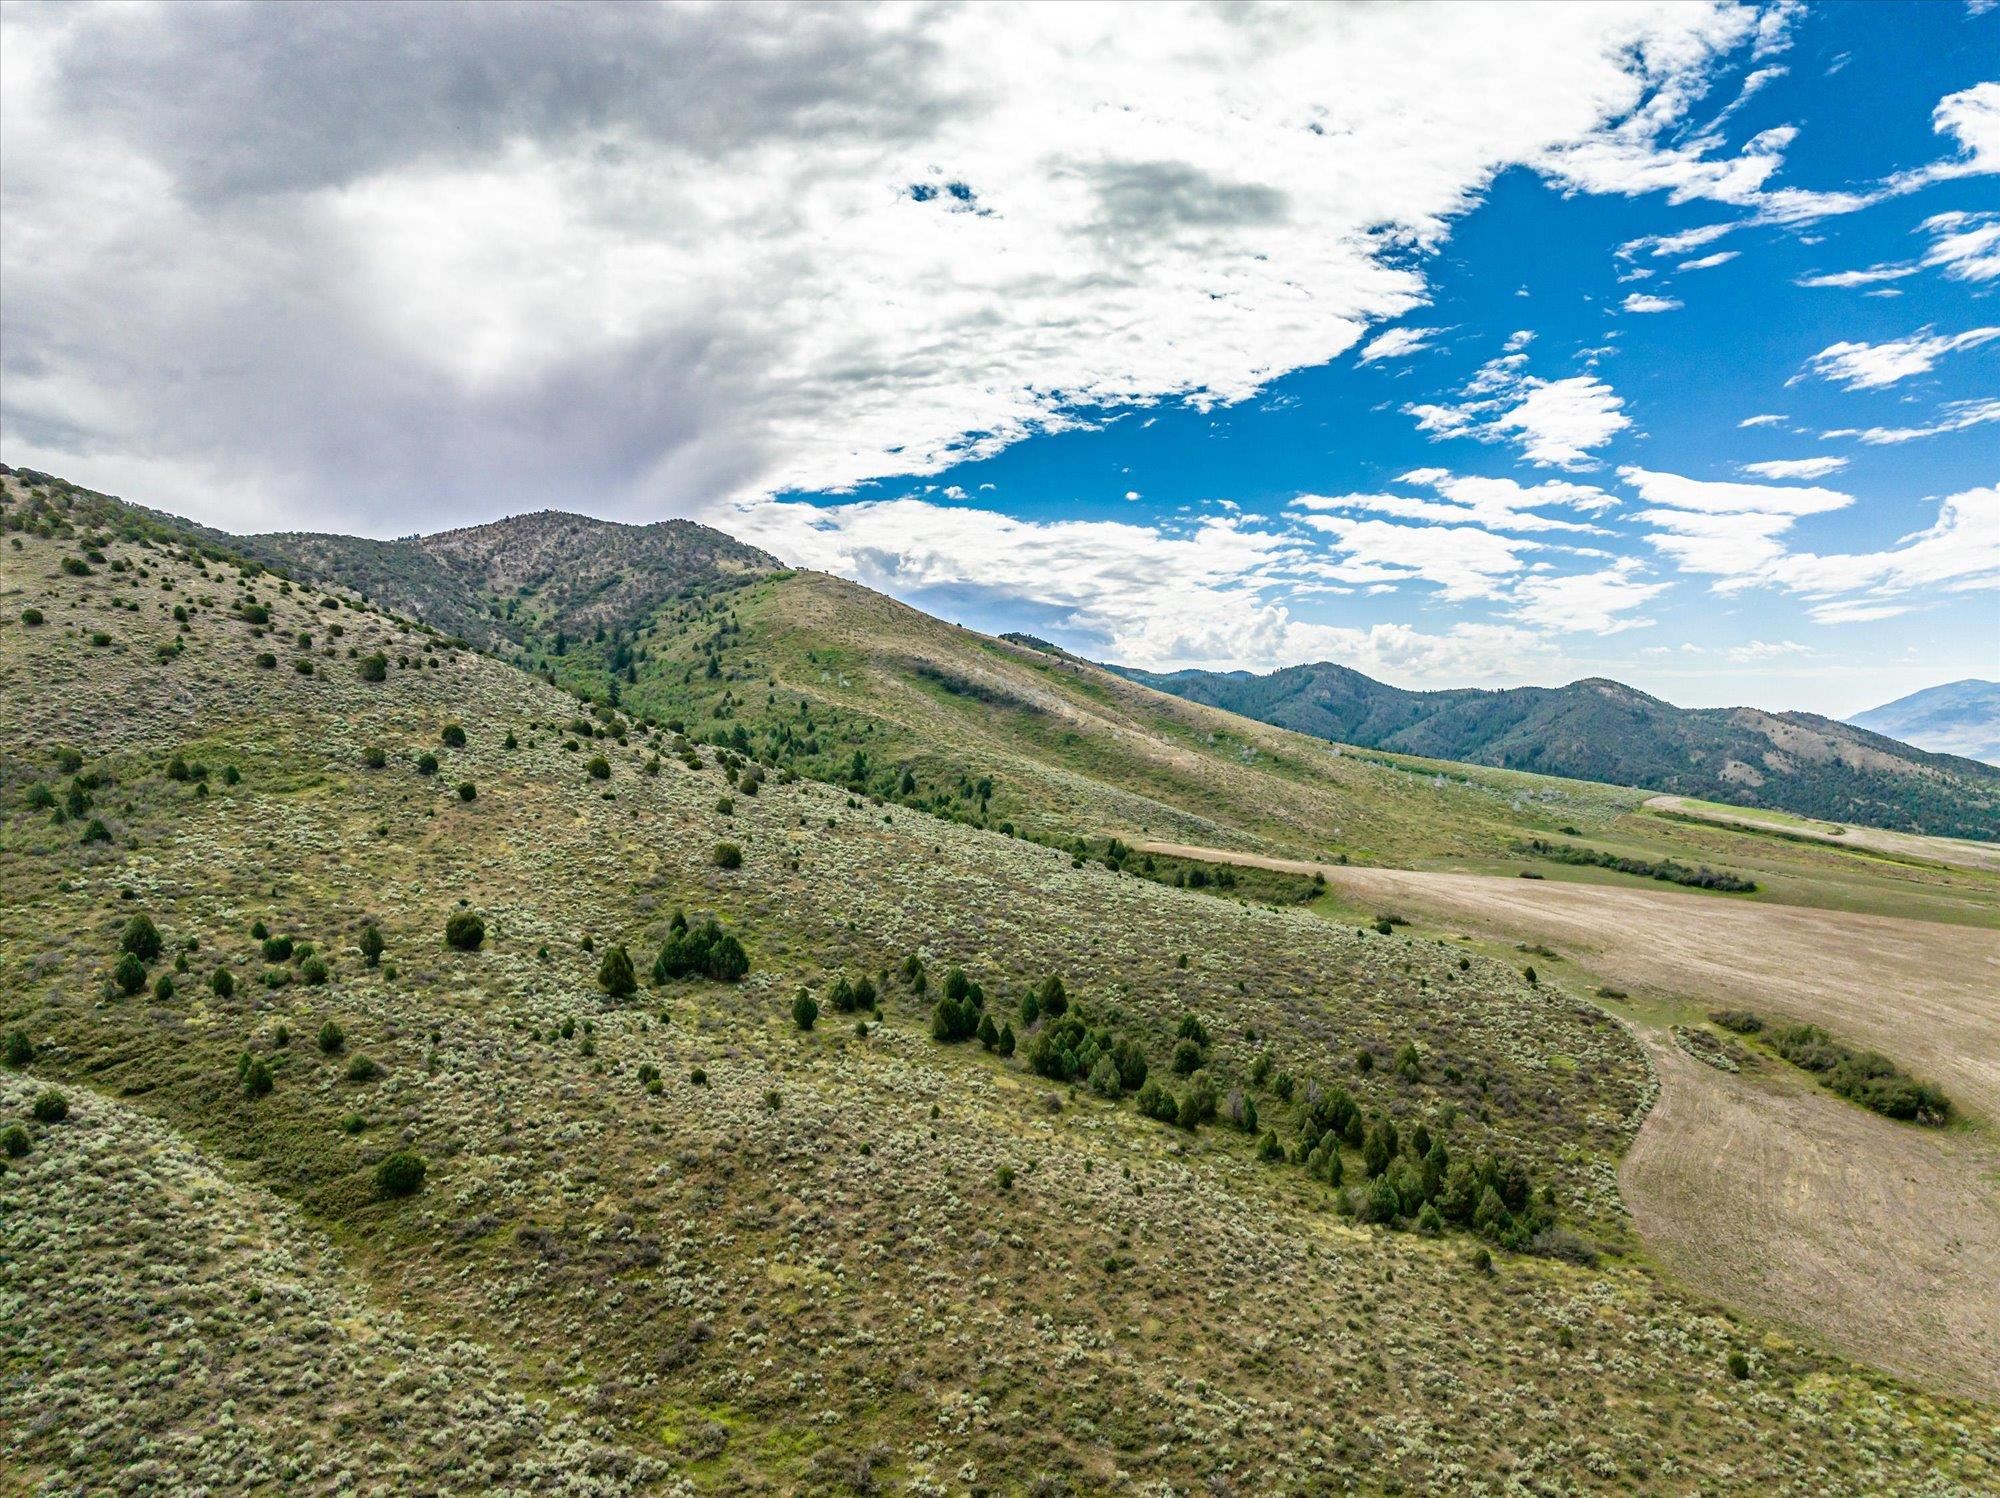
1599, 729
1955, 717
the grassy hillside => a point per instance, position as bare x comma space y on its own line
1602, 730
696, 1242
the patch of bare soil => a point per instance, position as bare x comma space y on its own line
1879, 1239
1762, 1190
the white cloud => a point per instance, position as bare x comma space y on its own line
635, 257
1957, 416
1871, 366
1973, 116
1796, 468
1396, 343
1965, 245
1768, 419
1596, 602
1498, 504
1709, 262
1464, 561
1144, 596
1733, 532
1558, 422
1849, 278
1722, 498
1639, 301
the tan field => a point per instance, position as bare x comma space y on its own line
1881, 1239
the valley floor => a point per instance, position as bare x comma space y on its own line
1880, 1238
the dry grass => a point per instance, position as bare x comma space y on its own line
1881, 1238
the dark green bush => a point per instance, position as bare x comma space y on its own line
141, 938
467, 791
805, 1011
371, 945
95, 831
31, 617
373, 757
453, 736
706, 951
277, 949
427, 763
14, 1140
1742, 1021
728, 856
223, 982
615, 975
332, 1039
400, 1174
362, 1069
313, 971
599, 768
50, 1107
19, 1050
465, 930
130, 974
254, 1075
375, 667
163, 990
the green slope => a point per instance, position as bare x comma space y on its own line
839, 1260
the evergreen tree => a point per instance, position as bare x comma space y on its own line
142, 938
615, 975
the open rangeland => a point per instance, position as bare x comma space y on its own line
1761, 1189
708, 1234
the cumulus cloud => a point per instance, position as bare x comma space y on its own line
417, 262
1844, 279
1597, 602
1499, 504
1871, 366
1555, 423
1639, 301
1709, 262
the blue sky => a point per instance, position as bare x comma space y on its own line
1466, 346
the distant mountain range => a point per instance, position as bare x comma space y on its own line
1960, 717
1602, 730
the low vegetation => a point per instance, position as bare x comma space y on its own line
1666, 869
1865, 1077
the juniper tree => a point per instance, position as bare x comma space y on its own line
141, 938
615, 975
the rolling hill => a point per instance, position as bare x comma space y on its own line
1602, 730
1960, 717
366, 1034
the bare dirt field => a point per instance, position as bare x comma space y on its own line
1952, 850
1881, 1239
